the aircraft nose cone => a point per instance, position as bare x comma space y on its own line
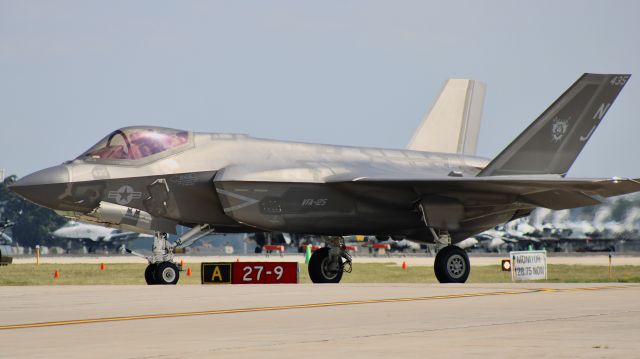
43, 187
51, 175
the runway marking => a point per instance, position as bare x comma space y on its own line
304, 306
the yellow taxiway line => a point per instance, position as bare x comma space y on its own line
300, 306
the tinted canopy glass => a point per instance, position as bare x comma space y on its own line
134, 143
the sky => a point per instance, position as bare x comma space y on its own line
360, 73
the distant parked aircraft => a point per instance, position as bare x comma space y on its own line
94, 236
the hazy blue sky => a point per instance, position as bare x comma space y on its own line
342, 72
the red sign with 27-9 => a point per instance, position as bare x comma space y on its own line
264, 272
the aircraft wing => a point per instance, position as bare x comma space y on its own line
539, 191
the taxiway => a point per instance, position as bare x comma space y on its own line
347, 320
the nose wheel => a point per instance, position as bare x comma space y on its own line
149, 274
162, 273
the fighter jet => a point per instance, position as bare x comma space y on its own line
92, 234
151, 179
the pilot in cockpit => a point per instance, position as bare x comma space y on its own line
135, 143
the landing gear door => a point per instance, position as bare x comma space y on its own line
158, 199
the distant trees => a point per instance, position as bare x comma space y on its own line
33, 224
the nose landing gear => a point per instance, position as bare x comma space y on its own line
161, 268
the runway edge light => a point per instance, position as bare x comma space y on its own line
506, 265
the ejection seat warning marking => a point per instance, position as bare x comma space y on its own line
216, 273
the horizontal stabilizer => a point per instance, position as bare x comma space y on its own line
551, 192
560, 199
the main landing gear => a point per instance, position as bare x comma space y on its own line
328, 263
162, 269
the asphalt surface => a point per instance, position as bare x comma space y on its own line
316, 321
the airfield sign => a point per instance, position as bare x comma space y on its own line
249, 273
528, 265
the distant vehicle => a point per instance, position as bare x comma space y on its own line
93, 236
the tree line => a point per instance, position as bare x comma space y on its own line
32, 224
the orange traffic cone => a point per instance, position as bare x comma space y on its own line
181, 263
404, 265
188, 271
56, 274
102, 267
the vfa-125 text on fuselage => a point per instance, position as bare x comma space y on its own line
150, 179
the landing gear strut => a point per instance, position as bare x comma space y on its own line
161, 268
328, 263
452, 263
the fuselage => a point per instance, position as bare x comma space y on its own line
237, 183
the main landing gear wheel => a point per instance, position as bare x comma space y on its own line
149, 274
324, 269
452, 265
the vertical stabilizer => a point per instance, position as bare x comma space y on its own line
452, 124
552, 142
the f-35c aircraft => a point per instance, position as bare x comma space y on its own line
150, 179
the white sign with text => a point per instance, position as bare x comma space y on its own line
528, 265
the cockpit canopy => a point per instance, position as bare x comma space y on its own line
134, 143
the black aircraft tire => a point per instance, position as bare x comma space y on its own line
167, 273
149, 274
452, 265
317, 268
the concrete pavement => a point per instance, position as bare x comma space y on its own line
312, 321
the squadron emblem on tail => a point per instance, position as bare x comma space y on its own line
559, 128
